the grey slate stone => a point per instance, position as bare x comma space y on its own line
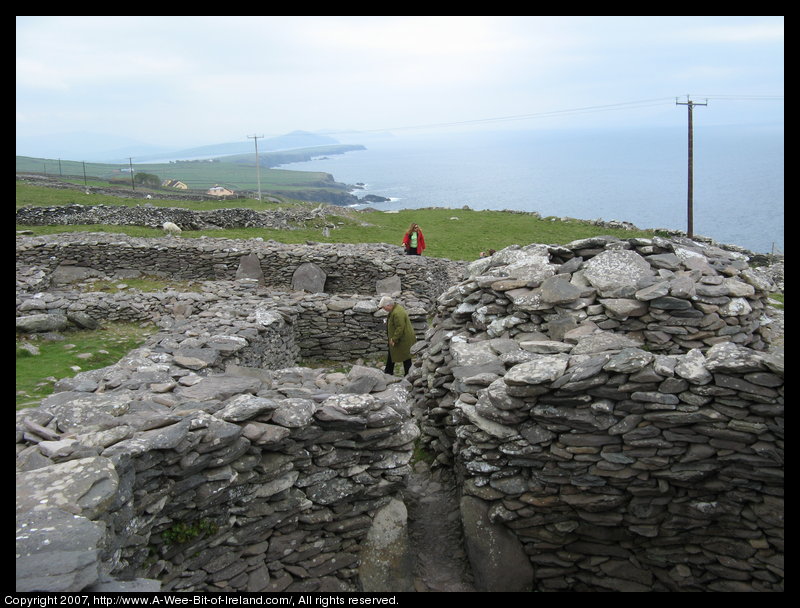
386, 564
56, 551
389, 285
615, 273
542, 368
498, 560
309, 277
250, 268
85, 486
41, 323
219, 387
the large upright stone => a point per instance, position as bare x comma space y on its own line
556, 290
386, 564
309, 277
250, 268
388, 285
498, 560
531, 264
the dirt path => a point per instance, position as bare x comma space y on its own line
435, 534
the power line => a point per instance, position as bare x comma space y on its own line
642, 103
625, 105
744, 97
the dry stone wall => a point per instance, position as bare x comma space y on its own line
329, 296
611, 407
190, 465
186, 219
671, 295
204, 460
613, 414
342, 327
347, 269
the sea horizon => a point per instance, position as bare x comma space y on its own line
633, 175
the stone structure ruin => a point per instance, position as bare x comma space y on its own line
612, 410
613, 414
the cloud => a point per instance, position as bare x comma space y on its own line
738, 33
200, 75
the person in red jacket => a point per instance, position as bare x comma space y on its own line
413, 240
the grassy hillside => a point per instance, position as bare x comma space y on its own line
457, 234
283, 157
43, 196
198, 175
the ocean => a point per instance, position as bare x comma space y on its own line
633, 175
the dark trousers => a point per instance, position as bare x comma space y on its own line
389, 369
411, 251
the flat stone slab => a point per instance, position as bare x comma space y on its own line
56, 551
615, 273
220, 387
84, 487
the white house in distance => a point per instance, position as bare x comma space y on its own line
220, 191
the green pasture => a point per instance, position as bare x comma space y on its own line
196, 175
456, 234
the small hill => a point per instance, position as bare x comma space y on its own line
293, 140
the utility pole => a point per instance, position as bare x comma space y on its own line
690, 189
258, 167
130, 164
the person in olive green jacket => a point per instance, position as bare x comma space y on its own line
400, 335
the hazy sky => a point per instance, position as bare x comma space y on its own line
178, 81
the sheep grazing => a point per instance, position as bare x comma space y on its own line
171, 229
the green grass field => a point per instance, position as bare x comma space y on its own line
456, 234
196, 175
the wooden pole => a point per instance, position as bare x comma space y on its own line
258, 168
690, 176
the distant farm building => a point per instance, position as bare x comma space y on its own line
220, 191
174, 183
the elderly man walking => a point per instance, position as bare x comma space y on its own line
400, 335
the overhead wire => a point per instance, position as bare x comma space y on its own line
744, 97
564, 112
626, 105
